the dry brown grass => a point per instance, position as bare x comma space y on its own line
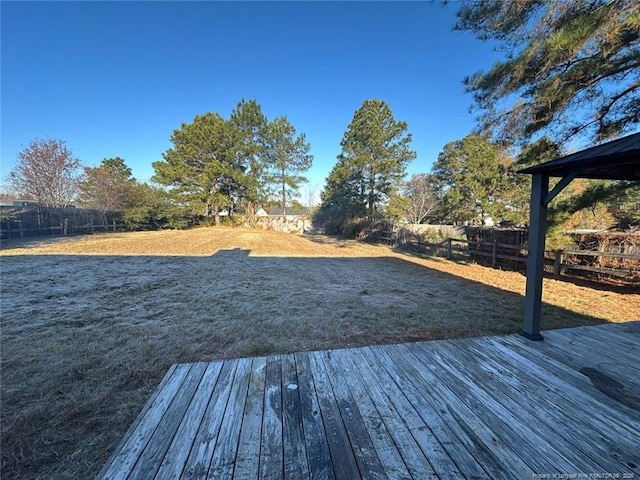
90, 325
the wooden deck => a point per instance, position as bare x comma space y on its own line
493, 407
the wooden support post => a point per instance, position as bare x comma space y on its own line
114, 224
557, 264
535, 257
494, 259
449, 256
65, 229
20, 229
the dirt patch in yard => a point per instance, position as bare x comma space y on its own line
91, 324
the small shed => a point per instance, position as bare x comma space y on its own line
615, 160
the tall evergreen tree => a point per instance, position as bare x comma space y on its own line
471, 179
288, 157
572, 68
202, 169
342, 198
375, 152
251, 124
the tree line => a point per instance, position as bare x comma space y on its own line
570, 74
215, 166
474, 181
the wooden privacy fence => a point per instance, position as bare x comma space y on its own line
497, 254
33, 222
606, 263
15, 229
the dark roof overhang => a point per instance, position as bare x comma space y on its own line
615, 160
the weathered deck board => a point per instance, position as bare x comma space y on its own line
361, 443
295, 451
443, 466
202, 448
555, 405
492, 407
176, 456
248, 458
343, 459
315, 437
383, 443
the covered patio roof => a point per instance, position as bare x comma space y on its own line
615, 160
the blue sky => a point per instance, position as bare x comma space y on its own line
116, 78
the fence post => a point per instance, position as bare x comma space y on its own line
557, 264
494, 259
449, 248
20, 229
65, 230
114, 224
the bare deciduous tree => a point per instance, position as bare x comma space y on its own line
420, 190
309, 195
47, 171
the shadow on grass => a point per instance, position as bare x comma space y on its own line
87, 338
335, 240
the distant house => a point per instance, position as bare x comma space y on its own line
274, 220
278, 211
13, 203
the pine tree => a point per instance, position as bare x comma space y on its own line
571, 69
375, 153
471, 180
202, 169
251, 124
288, 157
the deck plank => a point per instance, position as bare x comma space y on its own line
606, 342
508, 420
412, 454
315, 437
502, 423
226, 446
440, 461
361, 444
562, 370
248, 457
271, 446
575, 387
489, 447
343, 460
386, 449
473, 462
589, 433
197, 464
566, 435
153, 455
129, 453
108, 469
177, 453
493, 407
295, 451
